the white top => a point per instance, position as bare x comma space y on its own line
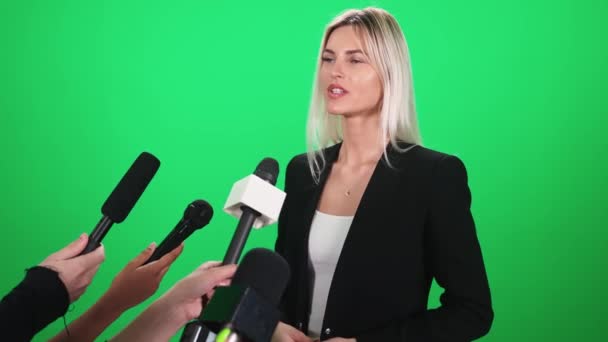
327, 235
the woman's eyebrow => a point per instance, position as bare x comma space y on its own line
348, 52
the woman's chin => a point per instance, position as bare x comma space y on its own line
337, 111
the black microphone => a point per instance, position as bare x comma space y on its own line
196, 216
123, 198
267, 170
247, 309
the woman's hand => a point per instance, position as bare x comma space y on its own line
136, 283
287, 333
185, 296
76, 272
177, 306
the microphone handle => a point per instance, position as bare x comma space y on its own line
195, 330
240, 236
175, 237
101, 229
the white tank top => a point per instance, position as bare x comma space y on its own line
327, 235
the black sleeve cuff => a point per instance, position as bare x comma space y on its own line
37, 301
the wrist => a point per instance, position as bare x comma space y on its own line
174, 312
106, 309
111, 305
159, 322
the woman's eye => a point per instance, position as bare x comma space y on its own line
327, 59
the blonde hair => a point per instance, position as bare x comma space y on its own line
387, 49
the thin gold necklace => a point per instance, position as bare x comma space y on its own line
349, 190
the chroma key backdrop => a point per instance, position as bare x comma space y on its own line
517, 89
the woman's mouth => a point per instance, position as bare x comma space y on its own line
335, 91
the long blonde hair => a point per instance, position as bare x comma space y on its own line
387, 49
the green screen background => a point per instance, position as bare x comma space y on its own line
517, 89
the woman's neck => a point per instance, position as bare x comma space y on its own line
361, 141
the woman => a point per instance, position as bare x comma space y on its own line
370, 221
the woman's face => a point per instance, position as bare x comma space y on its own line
350, 84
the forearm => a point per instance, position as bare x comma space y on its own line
92, 323
159, 322
447, 323
34, 303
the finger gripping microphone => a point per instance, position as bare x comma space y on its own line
196, 216
247, 309
123, 198
256, 202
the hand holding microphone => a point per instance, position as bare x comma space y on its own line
47, 290
138, 281
134, 284
185, 296
141, 277
177, 306
40, 298
246, 310
75, 271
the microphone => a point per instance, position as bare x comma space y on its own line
247, 309
123, 198
196, 216
256, 202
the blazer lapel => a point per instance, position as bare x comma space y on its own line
313, 194
382, 187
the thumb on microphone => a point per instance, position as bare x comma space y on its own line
71, 250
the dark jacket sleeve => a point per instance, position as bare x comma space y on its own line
455, 260
37, 301
280, 244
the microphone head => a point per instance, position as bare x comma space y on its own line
265, 271
131, 186
198, 213
268, 170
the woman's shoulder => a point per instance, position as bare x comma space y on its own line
298, 161
417, 155
298, 171
437, 165
406, 155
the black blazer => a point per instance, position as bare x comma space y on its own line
413, 224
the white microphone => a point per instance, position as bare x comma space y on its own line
256, 202
259, 195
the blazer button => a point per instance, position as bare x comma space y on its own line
327, 331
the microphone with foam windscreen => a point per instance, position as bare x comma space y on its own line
123, 198
256, 202
247, 309
196, 216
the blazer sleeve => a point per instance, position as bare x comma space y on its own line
455, 260
37, 301
281, 244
